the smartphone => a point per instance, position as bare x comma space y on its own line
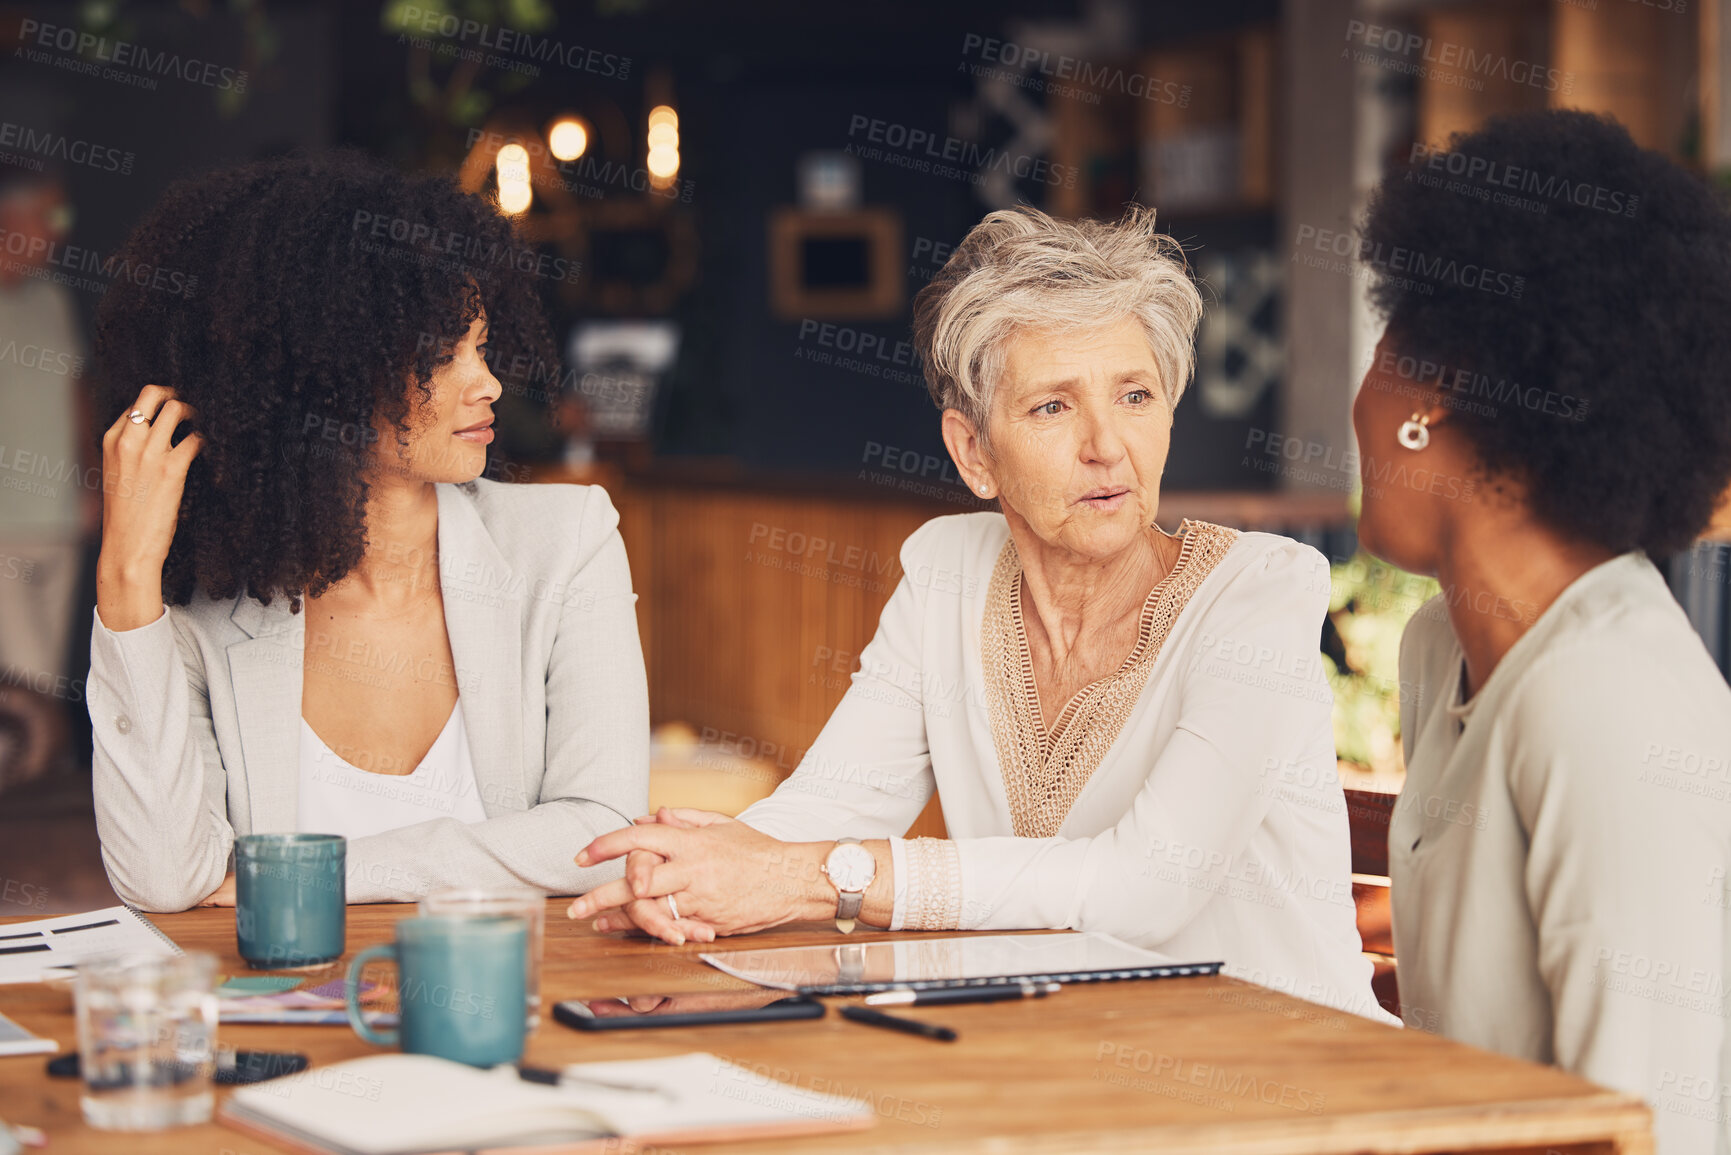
233, 1068
692, 1009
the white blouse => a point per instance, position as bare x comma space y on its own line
338, 798
1559, 850
1213, 825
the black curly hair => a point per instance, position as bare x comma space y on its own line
1624, 308
289, 301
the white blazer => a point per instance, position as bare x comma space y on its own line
197, 716
1213, 828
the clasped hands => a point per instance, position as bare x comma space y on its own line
723, 876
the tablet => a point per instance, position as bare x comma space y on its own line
927, 963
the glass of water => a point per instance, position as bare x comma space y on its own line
518, 901
147, 1041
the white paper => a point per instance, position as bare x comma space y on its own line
33, 951
1064, 957
699, 1091
15, 1040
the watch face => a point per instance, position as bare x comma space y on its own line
851, 867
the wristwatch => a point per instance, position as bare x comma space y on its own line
850, 868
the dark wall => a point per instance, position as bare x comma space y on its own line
747, 385
180, 127
789, 408
757, 86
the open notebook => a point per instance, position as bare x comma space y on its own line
397, 1104
48, 948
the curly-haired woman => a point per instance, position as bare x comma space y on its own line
1559, 851
311, 614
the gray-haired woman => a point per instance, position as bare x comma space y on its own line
1129, 730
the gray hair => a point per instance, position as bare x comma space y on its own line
1021, 269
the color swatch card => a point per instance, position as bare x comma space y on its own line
320, 1005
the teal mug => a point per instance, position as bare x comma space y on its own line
290, 898
460, 988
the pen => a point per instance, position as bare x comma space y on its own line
996, 993
873, 1018
551, 1078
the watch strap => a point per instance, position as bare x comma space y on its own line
848, 902
850, 962
847, 910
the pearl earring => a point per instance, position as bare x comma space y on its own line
1415, 432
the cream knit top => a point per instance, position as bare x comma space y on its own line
1187, 803
1044, 772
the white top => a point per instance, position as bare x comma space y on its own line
1214, 827
337, 798
1559, 851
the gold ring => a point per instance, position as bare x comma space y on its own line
136, 417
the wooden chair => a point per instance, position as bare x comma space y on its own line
33, 735
1367, 816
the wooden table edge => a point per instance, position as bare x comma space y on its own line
1623, 1121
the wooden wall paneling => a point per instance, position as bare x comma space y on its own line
1713, 86
636, 530
1075, 132
736, 664
755, 608
1454, 97
1636, 62
1258, 161
830, 609
1181, 139
812, 539
1229, 85
1208, 68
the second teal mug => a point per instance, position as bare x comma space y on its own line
460, 988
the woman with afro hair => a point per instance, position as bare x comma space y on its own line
313, 614
1546, 414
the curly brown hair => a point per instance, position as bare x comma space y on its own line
291, 302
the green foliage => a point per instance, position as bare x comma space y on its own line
260, 40
445, 87
1369, 606
518, 15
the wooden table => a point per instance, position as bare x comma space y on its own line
1180, 1065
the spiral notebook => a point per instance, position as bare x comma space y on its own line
922, 964
32, 952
